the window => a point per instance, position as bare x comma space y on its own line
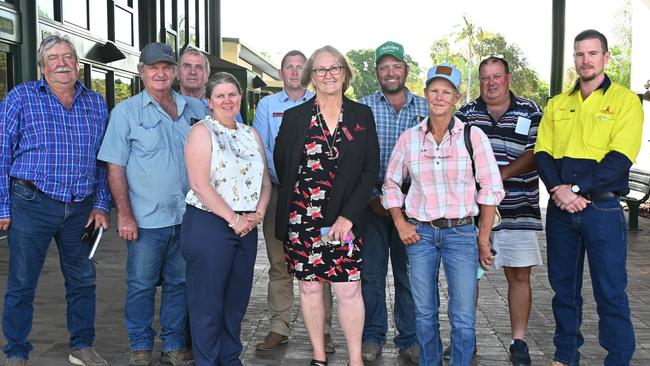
75, 12
191, 22
123, 26
182, 21
98, 79
82, 74
5, 74
123, 88
46, 8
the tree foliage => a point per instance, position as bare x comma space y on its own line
365, 79
619, 67
471, 45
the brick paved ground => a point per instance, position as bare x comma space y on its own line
49, 334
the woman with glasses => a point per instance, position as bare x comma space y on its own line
326, 158
437, 223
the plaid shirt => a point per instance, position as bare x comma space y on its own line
52, 147
442, 185
391, 124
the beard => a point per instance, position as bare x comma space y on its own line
590, 77
392, 88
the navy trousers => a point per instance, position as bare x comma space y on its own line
219, 278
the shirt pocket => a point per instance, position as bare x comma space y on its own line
147, 137
599, 132
563, 125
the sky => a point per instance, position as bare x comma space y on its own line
278, 26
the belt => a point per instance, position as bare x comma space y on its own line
32, 186
447, 223
28, 184
599, 196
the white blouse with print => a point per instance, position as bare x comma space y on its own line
236, 167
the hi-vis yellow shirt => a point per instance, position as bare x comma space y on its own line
610, 119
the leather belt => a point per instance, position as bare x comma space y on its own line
599, 196
28, 184
448, 223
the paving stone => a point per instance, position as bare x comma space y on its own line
49, 335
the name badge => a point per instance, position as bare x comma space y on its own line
278, 114
523, 125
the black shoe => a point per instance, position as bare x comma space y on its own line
446, 353
318, 363
519, 353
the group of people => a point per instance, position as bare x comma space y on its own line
339, 187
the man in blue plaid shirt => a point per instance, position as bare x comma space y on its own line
395, 109
51, 186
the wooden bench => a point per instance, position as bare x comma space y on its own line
639, 192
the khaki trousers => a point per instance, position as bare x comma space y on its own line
280, 290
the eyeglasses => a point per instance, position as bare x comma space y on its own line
334, 70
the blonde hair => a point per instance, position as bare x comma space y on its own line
305, 78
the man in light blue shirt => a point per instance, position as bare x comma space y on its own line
143, 147
268, 117
396, 109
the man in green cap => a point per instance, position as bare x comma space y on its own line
396, 109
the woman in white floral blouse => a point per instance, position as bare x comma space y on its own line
230, 189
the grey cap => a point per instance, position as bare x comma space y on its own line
157, 52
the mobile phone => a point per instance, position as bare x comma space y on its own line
481, 271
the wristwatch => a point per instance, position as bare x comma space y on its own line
575, 188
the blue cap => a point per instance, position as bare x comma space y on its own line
444, 71
157, 52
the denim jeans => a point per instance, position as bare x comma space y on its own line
381, 240
600, 231
156, 255
35, 220
458, 250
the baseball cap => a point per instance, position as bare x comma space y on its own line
444, 71
157, 52
389, 48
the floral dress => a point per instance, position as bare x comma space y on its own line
307, 257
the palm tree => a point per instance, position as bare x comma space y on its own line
468, 33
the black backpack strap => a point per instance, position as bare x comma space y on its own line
467, 130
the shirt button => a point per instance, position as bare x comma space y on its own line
437, 163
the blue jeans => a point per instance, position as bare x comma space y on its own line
381, 240
220, 267
156, 255
35, 220
458, 250
600, 231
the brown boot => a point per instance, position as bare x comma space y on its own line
272, 341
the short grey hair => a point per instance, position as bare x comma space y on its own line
49, 42
191, 50
141, 65
221, 78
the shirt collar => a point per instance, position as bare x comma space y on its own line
481, 105
43, 85
379, 95
284, 97
455, 125
605, 84
178, 99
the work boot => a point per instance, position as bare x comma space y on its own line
272, 341
86, 357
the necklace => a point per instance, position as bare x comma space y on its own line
223, 124
332, 151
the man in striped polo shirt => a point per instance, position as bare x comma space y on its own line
511, 124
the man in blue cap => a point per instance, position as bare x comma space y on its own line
396, 109
143, 147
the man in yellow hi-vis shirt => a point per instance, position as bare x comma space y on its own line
587, 141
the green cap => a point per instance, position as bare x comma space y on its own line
389, 48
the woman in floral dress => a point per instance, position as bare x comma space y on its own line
327, 160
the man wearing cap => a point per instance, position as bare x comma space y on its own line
143, 147
511, 124
589, 137
268, 117
51, 186
436, 224
396, 109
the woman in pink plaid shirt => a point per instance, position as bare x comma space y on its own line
438, 220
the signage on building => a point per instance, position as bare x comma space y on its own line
9, 25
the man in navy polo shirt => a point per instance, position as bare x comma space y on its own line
511, 124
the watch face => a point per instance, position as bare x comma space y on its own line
575, 189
